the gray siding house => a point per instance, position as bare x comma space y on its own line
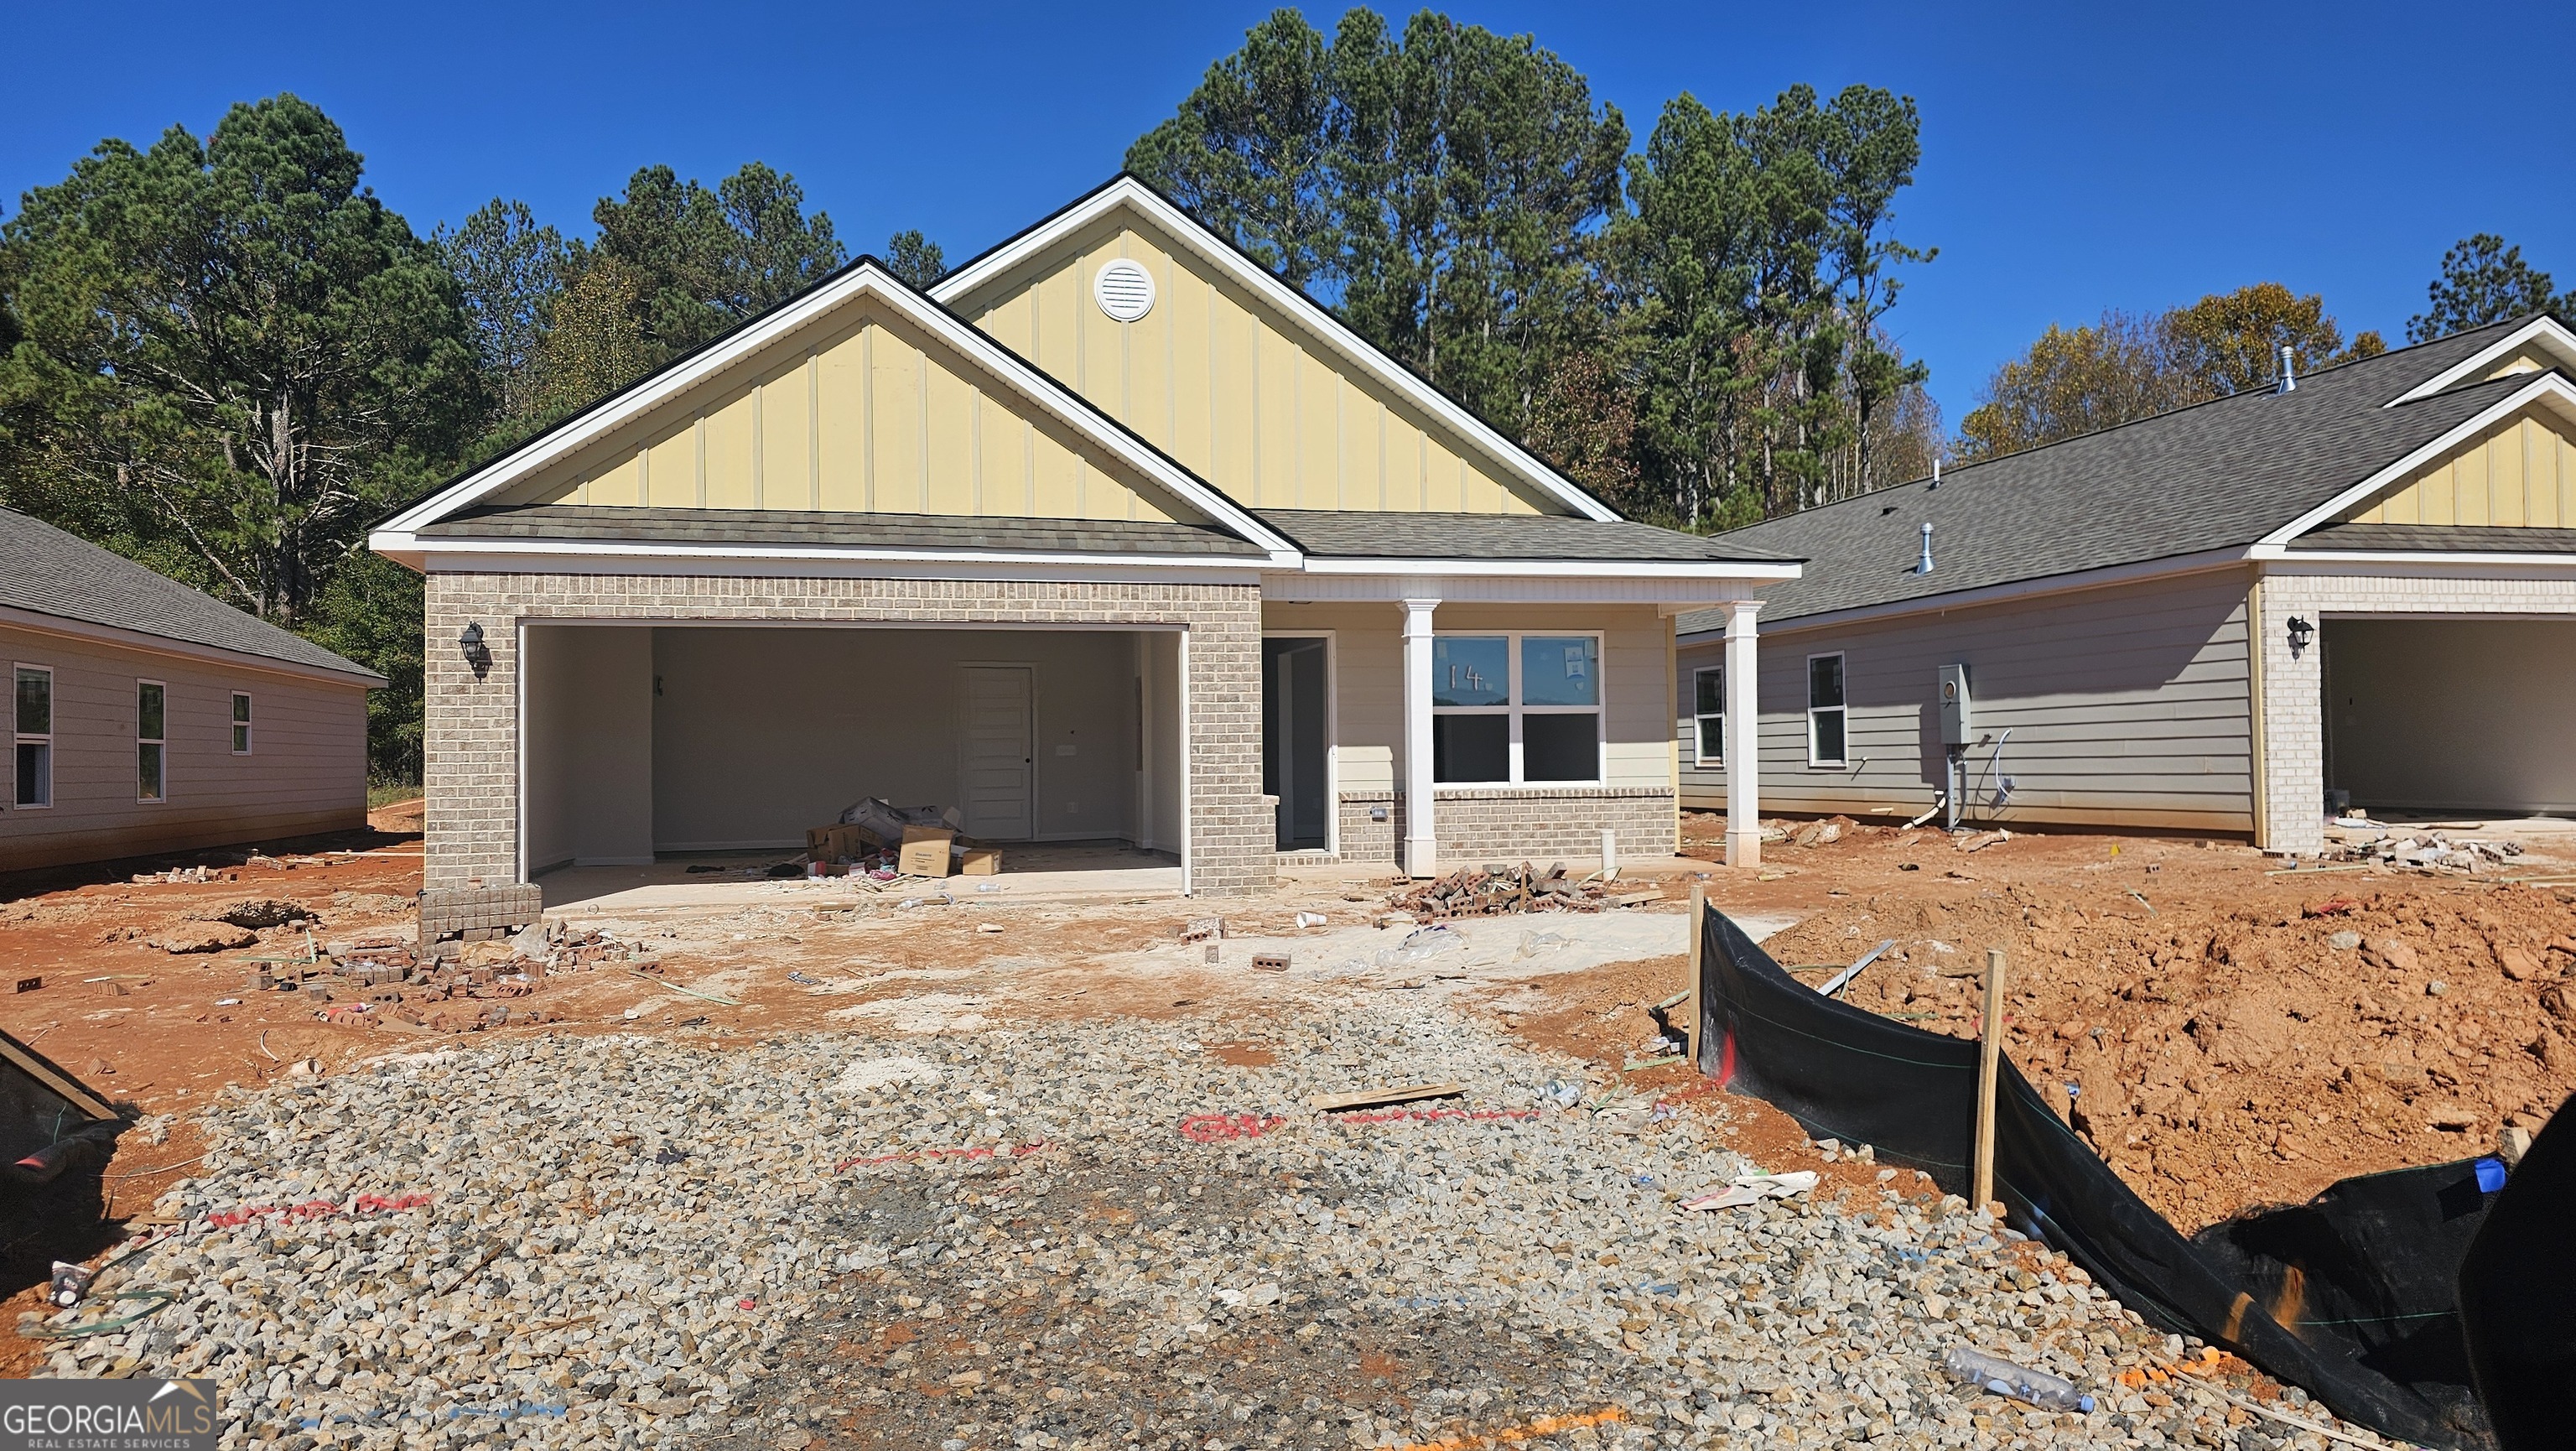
148, 717
2360, 588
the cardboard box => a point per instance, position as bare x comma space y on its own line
925, 851
980, 861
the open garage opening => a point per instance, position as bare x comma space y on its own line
2450, 717
649, 748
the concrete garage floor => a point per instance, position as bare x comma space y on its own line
1038, 872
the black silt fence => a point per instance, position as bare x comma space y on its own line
2349, 1295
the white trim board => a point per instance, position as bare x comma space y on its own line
2281, 563
2546, 331
1292, 306
865, 280
681, 564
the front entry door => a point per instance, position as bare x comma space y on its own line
998, 775
1294, 740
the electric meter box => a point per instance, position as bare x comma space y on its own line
1956, 721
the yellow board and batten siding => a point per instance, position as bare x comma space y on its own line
874, 418
1239, 395
2520, 475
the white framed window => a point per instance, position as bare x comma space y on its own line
151, 740
33, 705
1708, 715
1516, 709
241, 722
1827, 715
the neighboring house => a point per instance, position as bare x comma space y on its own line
1110, 536
2395, 539
149, 717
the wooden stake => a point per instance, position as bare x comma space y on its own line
1690, 990
1988, 1053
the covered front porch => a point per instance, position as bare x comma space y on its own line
1422, 718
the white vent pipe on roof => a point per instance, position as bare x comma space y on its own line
2289, 379
1924, 565
1936, 471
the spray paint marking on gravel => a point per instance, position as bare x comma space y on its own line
317, 1209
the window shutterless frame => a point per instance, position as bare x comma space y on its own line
1499, 721
151, 740
1708, 715
241, 722
1827, 715
32, 708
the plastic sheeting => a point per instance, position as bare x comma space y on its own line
2518, 1294
2349, 1296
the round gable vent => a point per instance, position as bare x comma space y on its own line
1125, 289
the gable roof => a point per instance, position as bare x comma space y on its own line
2231, 475
1286, 304
864, 278
44, 571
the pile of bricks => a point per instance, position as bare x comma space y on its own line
384, 974
1477, 891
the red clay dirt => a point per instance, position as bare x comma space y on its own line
2237, 1037
2229, 1054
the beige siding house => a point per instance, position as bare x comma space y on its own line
2360, 591
1109, 537
147, 717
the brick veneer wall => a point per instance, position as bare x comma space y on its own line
2294, 760
472, 762
1475, 827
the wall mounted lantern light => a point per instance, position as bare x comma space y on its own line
2300, 633
476, 655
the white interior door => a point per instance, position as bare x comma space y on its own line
998, 776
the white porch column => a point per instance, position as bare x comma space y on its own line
1743, 739
1421, 842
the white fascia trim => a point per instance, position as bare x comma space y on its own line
1322, 325
400, 545
864, 281
2416, 559
123, 638
1561, 569
2547, 388
2543, 330
2108, 577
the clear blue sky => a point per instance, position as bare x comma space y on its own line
2076, 157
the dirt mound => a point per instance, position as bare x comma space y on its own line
2222, 1054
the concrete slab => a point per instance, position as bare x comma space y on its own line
1044, 872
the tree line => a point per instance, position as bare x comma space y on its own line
2124, 367
1692, 329
227, 358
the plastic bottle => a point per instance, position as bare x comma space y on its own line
1994, 1373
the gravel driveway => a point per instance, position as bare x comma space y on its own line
1083, 1233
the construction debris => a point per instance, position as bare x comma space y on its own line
2428, 852
1484, 891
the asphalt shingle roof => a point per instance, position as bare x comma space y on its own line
1339, 533
2455, 538
872, 531
2218, 475
45, 571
